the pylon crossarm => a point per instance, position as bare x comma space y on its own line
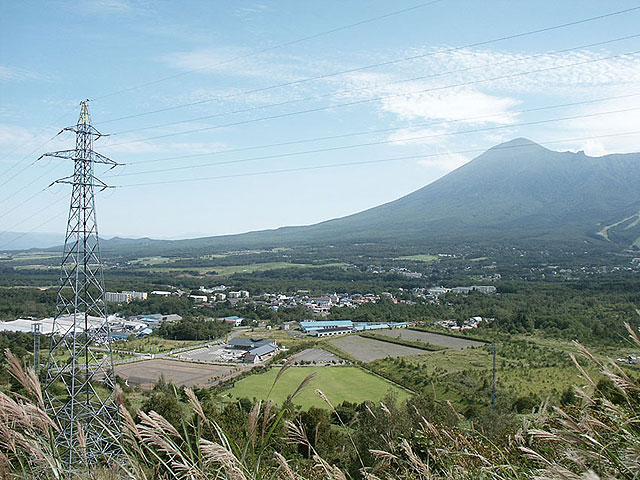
59, 154
99, 158
86, 129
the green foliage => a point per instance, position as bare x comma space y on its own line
190, 329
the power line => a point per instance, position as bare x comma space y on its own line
49, 220
380, 64
31, 182
7, 212
268, 49
372, 87
359, 102
33, 136
25, 158
381, 142
383, 130
23, 220
364, 162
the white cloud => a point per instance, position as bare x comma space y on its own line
416, 136
445, 163
468, 83
251, 10
604, 130
12, 74
240, 63
464, 104
109, 7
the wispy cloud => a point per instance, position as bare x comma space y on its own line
446, 163
251, 10
16, 74
109, 7
454, 105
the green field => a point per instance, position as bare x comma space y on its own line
337, 383
153, 344
254, 267
426, 258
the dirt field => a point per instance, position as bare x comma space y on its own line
145, 373
433, 338
316, 355
215, 353
368, 350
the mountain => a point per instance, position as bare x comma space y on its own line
516, 191
27, 240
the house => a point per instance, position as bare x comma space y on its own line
233, 320
199, 298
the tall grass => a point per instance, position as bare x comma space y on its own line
597, 438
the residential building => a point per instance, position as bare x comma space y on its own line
233, 320
136, 295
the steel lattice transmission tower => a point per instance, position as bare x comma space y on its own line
79, 379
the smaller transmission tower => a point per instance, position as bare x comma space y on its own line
79, 379
36, 346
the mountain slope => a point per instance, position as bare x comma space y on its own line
516, 190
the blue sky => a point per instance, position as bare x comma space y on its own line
440, 109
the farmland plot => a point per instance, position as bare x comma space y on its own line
368, 349
432, 338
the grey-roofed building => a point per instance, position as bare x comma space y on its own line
260, 353
242, 343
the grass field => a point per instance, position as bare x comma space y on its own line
419, 258
231, 269
337, 383
153, 344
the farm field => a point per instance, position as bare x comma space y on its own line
337, 383
147, 372
368, 349
315, 355
433, 338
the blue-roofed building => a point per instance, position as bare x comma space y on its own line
398, 324
117, 336
145, 332
365, 326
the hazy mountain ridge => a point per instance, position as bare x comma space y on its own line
515, 191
